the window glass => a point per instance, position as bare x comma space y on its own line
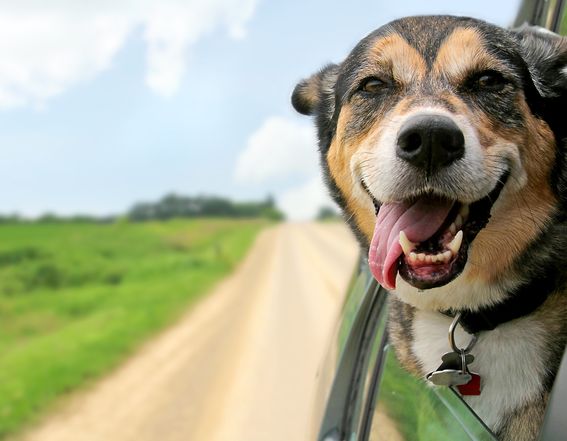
563, 20
408, 409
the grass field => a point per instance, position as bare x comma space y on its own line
75, 299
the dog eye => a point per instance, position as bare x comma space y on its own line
372, 85
490, 81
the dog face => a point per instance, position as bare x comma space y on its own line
438, 136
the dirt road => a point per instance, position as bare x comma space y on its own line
240, 366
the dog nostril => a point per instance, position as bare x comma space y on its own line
412, 142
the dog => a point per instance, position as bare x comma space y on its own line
443, 140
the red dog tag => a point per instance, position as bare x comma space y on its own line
472, 387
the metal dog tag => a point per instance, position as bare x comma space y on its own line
453, 370
449, 377
455, 359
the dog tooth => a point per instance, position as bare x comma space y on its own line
428, 258
413, 257
447, 256
421, 257
407, 245
455, 244
458, 221
452, 229
464, 211
435, 258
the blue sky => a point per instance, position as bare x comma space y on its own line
105, 103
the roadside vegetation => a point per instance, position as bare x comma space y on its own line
328, 214
77, 297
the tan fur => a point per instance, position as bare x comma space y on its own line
524, 212
405, 105
525, 423
552, 314
484, 128
310, 89
461, 53
339, 160
409, 67
402, 60
400, 334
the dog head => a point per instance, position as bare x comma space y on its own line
439, 137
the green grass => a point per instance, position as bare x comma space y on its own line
75, 299
410, 404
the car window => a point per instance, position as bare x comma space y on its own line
406, 408
358, 342
563, 19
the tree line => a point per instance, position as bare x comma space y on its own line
172, 206
169, 207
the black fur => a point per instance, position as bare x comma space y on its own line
546, 55
535, 64
534, 59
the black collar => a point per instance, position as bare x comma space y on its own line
521, 302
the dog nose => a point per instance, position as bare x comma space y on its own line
430, 142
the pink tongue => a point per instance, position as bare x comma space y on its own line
419, 221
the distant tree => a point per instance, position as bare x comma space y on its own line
168, 207
217, 206
273, 214
48, 218
142, 212
172, 206
270, 201
327, 213
10, 218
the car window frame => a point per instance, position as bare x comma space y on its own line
354, 335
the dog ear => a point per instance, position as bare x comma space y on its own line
546, 56
317, 93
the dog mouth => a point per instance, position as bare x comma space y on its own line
426, 239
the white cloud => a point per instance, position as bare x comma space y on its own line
282, 148
303, 202
47, 47
279, 148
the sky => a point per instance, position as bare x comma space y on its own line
104, 103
